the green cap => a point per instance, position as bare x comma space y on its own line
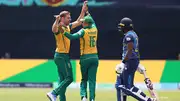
87, 19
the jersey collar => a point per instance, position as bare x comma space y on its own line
128, 32
87, 27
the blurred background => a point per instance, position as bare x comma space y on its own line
27, 45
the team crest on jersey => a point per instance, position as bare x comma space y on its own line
53, 3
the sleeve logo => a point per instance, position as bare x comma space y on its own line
128, 38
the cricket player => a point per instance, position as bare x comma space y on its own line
89, 57
61, 57
129, 65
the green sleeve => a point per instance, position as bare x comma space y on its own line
77, 35
70, 26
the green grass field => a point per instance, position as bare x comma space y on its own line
39, 94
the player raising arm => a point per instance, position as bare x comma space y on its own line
89, 57
61, 56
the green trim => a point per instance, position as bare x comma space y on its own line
87, 27
90, 26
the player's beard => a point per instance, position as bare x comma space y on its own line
121, 31
66, 23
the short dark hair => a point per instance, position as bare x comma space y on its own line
64, 13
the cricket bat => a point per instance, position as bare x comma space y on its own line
150, 89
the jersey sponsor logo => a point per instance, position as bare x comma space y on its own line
94, 32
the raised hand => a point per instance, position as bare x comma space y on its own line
85, 7
57, 17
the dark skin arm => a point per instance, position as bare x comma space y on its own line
130, 48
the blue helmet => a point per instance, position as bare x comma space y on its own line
125, 24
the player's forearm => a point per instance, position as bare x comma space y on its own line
81, 15
83, 11
55, 27
72, 36
129, 52
78, 22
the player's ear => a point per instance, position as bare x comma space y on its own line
62, 19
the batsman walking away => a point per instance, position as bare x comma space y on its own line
130, 62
